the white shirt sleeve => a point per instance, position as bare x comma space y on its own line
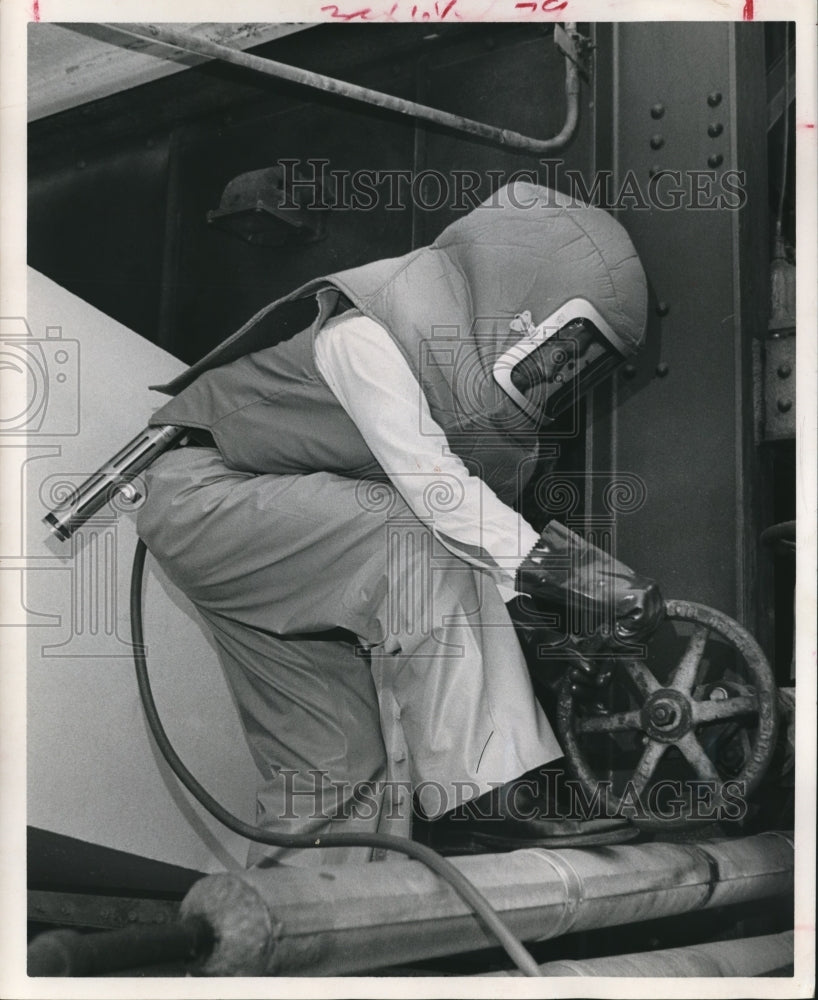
367, 373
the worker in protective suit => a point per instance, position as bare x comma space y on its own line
342, 517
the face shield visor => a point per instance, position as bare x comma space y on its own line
559, 360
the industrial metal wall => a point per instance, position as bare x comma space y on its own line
691, 97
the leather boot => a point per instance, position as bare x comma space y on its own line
534, 810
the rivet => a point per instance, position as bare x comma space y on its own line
715, 160
657, 111
784, 371
654, 170
714, 99
784, 405
662, 369
662, 308
629, 371
715, 129
657, 141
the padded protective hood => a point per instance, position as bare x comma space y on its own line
533, 248
449, 309
525, 247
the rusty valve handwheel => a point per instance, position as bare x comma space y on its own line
681, 712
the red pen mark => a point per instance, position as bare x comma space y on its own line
747, 13
336, 12
545, 6
437, 11
440, 14
808, 125
35, 10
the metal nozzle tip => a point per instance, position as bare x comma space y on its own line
57, 527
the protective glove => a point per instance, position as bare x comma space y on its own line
562, 567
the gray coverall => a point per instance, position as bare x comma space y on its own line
285, 531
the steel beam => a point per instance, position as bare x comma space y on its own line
81, 909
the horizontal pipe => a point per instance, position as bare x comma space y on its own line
375, 98
69, 953
354, 918
758, 956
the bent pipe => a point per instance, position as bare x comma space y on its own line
329, 85
359, 917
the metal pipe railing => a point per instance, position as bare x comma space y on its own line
356, 918
269, 67
757, 956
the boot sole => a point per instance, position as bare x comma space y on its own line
486, 843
